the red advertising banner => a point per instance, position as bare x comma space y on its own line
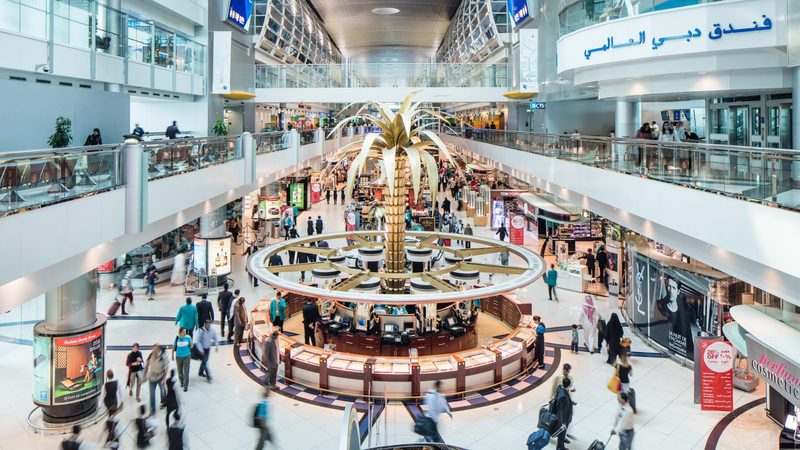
517, 229
316, 192
716, 376
350, 221
79, 340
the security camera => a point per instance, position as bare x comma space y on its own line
43, 68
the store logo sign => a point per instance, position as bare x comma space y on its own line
774, 369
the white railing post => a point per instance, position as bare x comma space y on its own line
248, 149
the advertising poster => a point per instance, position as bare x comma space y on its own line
107, 267
219, 256
517, 229
316, 192
716, 376
297, 195
200, 255
41, 369
351, 221
269, 208
77, 366
498, 213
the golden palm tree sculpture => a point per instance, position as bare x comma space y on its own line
403, 143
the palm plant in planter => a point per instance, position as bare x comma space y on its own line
402, 149
62, 136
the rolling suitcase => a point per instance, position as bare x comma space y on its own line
598, 444
632, 399
112, 310
538, 440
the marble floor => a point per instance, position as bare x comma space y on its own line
218, 414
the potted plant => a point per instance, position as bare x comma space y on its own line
220, 127
62, 136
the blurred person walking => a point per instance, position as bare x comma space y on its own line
240, 320
182, 355
187, 317
260, 421
435, 405
135, 363
155, 370
205, 338
270, 359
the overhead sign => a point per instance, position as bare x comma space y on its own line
529, 60
533, 106
239, 12
713, 27
775, 369
716, 376
518, 10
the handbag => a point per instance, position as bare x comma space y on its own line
614, 384
195, 353
423, 426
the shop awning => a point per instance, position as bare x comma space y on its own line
557, 213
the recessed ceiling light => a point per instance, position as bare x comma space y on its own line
385, 11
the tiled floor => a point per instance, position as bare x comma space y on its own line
218, 414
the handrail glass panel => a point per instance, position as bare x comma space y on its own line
178, 156
271, 142
748, 173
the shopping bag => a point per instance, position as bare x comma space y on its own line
614, 384
548, 421
423, 426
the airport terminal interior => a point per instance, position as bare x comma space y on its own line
400, 224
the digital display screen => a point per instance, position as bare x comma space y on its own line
219, 256
78, 371
297, 195
200, 255
41, 369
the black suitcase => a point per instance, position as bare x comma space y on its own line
548, 421
597, 445
632, 399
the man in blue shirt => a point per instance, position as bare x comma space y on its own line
187, 317
205, 337
551, 279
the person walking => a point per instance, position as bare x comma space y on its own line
310, 319
562, 407
551, 279
310, 226
590, 260
126, 290
224, 303
135, 363
177, 437
602, 263
277, 309
287, 223
573, 346
172, 396
341, 194
172, 130
446, 205
187, 317
468, 232
270, 359
538, 355
94, 138
112, 395
624, 371
623, 425
74, 441
205, 310
328, 195
145, 428
319, 225
559, 378
260, 421
182, 355
589, 317
155, 370
502, 232
612, 335
151, 277
435, 405
205, 338
336, 196
240, 320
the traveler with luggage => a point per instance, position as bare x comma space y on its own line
624, 371
435, 405
561, 406
623, 426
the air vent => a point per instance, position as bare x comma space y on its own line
156, 94
43, 81
64, 83
12, 77
144, 93
176, 96
85, 86
131, 91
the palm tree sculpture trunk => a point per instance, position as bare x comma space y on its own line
395, 228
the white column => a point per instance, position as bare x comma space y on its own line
212, 224
135, 174
249, 152
627, 118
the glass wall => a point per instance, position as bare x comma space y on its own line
139, 41
71, 25
108, 37
27, 17
164, 42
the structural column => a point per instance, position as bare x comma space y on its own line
796, 125
627, 118
69, 352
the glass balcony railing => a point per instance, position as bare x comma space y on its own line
308, 137
381, 75
38, 178
747, 173
165, 159
582, 14
271, 142
328, 135
34, 179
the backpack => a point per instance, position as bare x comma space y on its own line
260, 415
71, 443
175, 437
143, 433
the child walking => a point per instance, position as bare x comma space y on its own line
574, 345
